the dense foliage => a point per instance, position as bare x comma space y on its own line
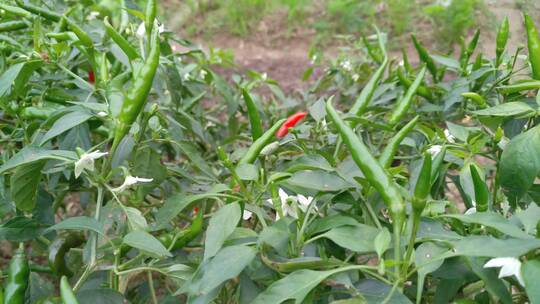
131, 170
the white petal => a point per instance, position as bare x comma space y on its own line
141, 31
131, 180
97, 154
102, 114
283, 196
304, 202
246, 215
434, 150
449, 136
509, 267
161, 28
470, 211
499, 262
290, 210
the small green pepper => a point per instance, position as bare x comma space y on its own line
179, 239
469, 50
265, 139
405, 81
254, 117
138, 93
84, 38
36, 10
423, 185
58, 250
17, 280
405, 103
362, 102
534, 46
425, 57
502, 40
13, 10
387, 155
478, 99
68, 297
481, 191
13, 26
124, 45
150, 15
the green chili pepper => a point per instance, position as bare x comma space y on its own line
17, 11
481, 191
371, 51
519, 87
13, 26
68, 297
17, 280
84, 38
254, 117
364, 99
436, 164
425, 57
406, 63
423, 185
58, 250
387, 156
36, 10
150, 15
405, 81
137, 96
469, 50
477, 62
265, 139
534, 46
124, 45
502, 40
63, 36
179, 239
373, 171
478, 99
405, 103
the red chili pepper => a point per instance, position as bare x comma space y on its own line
195, 211
91, 77
289, 123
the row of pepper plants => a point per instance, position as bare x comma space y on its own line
131, 171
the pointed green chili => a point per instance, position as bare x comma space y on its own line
476, 98
481, 191
425, 57
124, 45
423, 185
405, 81
13, 25
405, 103
254, 117
366, 95
387, 155
502, 40
17, 279
36, 10
534, 46
257, 146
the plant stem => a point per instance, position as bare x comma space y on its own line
397, 247
412, 239
151, 285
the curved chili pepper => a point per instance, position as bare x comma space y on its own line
13, 10
405, 103
13, 26
124, 45
91, 77
289, 123
182, 237
68, 297
58, 250
257, 146
425, 57
502, 39
533, 43
254, 117
17, 280
387, 155
363, 100
136, 97
404, 80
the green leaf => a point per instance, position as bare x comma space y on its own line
135, 219
65, 123
530, 271
487, 246
332, 221
8, 78
520, 163
147, 164
359, 238
31, 154
309, 162
225, 265
295, 286
493, 220
494, 285
20, 229
100, 295
79, 223
382, 241
25, 185
529, 217
247, 172
375, 292
427, 259
221, 225
506, 109
144, 241
318, 180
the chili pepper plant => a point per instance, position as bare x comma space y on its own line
132, 172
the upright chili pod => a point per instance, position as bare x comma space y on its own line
150, 15
423, 185
254, 117
387, 155
363, 100
17, 279
66, 293
255, 148
405, 81
502, 39
481, 191
405, 103
84, 38
36, 10
372, 52
373, 171
469, 50
124, 45
534, 46
138, 93
425, 57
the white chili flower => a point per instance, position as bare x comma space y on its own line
346, 65
86, 161
246, 215
434, 150
131, 180
286, 206
509, 267
141, 30
264, 76
355, 77
93, 15
449, 137
304, 202
102, 114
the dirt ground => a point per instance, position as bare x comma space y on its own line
284, 57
